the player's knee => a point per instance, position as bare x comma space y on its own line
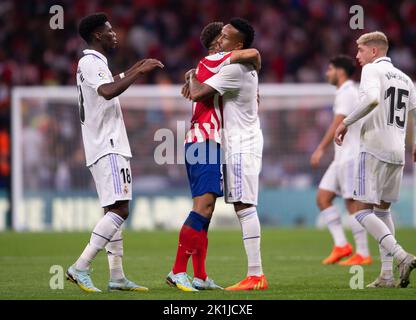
121, 208
383, 205
205, 209
124, 213
238, 206
322, 201
351, 206
204, 205
210, 206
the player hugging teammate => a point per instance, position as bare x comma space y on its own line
224, 91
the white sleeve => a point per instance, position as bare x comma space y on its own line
343, 104
369, 78
370, 87
412, 99
95, 73
223, 57
227, 79
368, 102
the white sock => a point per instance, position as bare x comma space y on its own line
103, 231
360, 237
333, 221
250, 226
381, 233
115, 256
386, 258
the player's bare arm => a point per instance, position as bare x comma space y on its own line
127, 72
185, 88
326, 140
185, 91
199, 91
250, 55
114, 89
414, 152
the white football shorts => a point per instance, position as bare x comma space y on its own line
339, 178
376, 180
113, 178
241, 178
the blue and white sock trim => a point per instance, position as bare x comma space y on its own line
382, 213
360, 215
246, 212
116, 218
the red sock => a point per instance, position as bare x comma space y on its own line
190, 240
199, 258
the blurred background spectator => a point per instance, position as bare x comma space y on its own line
295, 37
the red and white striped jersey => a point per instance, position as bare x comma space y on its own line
206, 120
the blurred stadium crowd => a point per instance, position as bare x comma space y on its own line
295, 37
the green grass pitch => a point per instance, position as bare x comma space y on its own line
291, 259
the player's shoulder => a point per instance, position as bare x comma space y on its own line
218, 56
371, 68
90, 61
216, 59
348, 86
237, 70
87, 58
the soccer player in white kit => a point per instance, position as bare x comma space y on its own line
339, 177
387, 95
242, 142
107, 149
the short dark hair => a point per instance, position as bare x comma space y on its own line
89, 24
210, 32
246, 29
344, 62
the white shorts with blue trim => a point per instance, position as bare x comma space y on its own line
241, 178
339, 179
113, 179
376, 180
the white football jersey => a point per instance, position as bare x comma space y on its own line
102, 124
238, 85
346, 100
384, 129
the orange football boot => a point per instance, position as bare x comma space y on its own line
250, 283
338, 253
357, 259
